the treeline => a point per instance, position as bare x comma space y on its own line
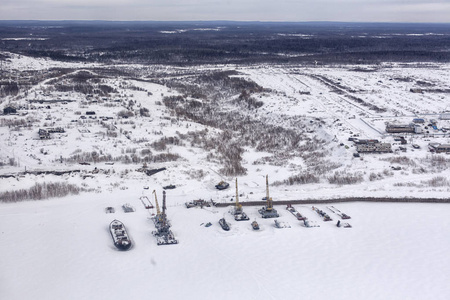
245, 42
81, 82
308, 177
132, 158
9, 88
41, 191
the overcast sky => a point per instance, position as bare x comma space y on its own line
233, 10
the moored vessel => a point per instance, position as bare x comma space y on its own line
255, 225
120, 235
222, 185
223, 223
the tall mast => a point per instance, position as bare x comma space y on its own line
237, 196
158, 212
164, 209
268, 211
268, 199
238, 206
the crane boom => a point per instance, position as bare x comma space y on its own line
158, 212
237, 195
268, 199
268, 211
163, 216
238, 205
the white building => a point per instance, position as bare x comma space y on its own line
444, 116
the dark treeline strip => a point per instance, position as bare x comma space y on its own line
41, 191
228, 42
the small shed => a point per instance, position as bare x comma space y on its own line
43, 134
444, 116
445, 148
9, 110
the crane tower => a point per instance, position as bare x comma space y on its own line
163, 234
239, 214
238, 208
268, 211
158, 211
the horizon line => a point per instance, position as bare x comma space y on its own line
220, 21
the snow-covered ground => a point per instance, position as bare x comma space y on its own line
62, 249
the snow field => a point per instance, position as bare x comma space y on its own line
62, 249
285, 105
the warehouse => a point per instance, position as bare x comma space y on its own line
374, 148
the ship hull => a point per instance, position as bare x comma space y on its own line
120, 235
224, 224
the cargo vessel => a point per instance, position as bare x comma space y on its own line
223, 223
120, 235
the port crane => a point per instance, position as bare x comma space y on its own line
238, 209
163, 234
163, 214
239, 214
269, 205
159, 218
268, 211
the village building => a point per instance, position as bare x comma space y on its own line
44, 134
444, 116
365, 142
403, 128
374, 148
55, 130
9, 110
439, 148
